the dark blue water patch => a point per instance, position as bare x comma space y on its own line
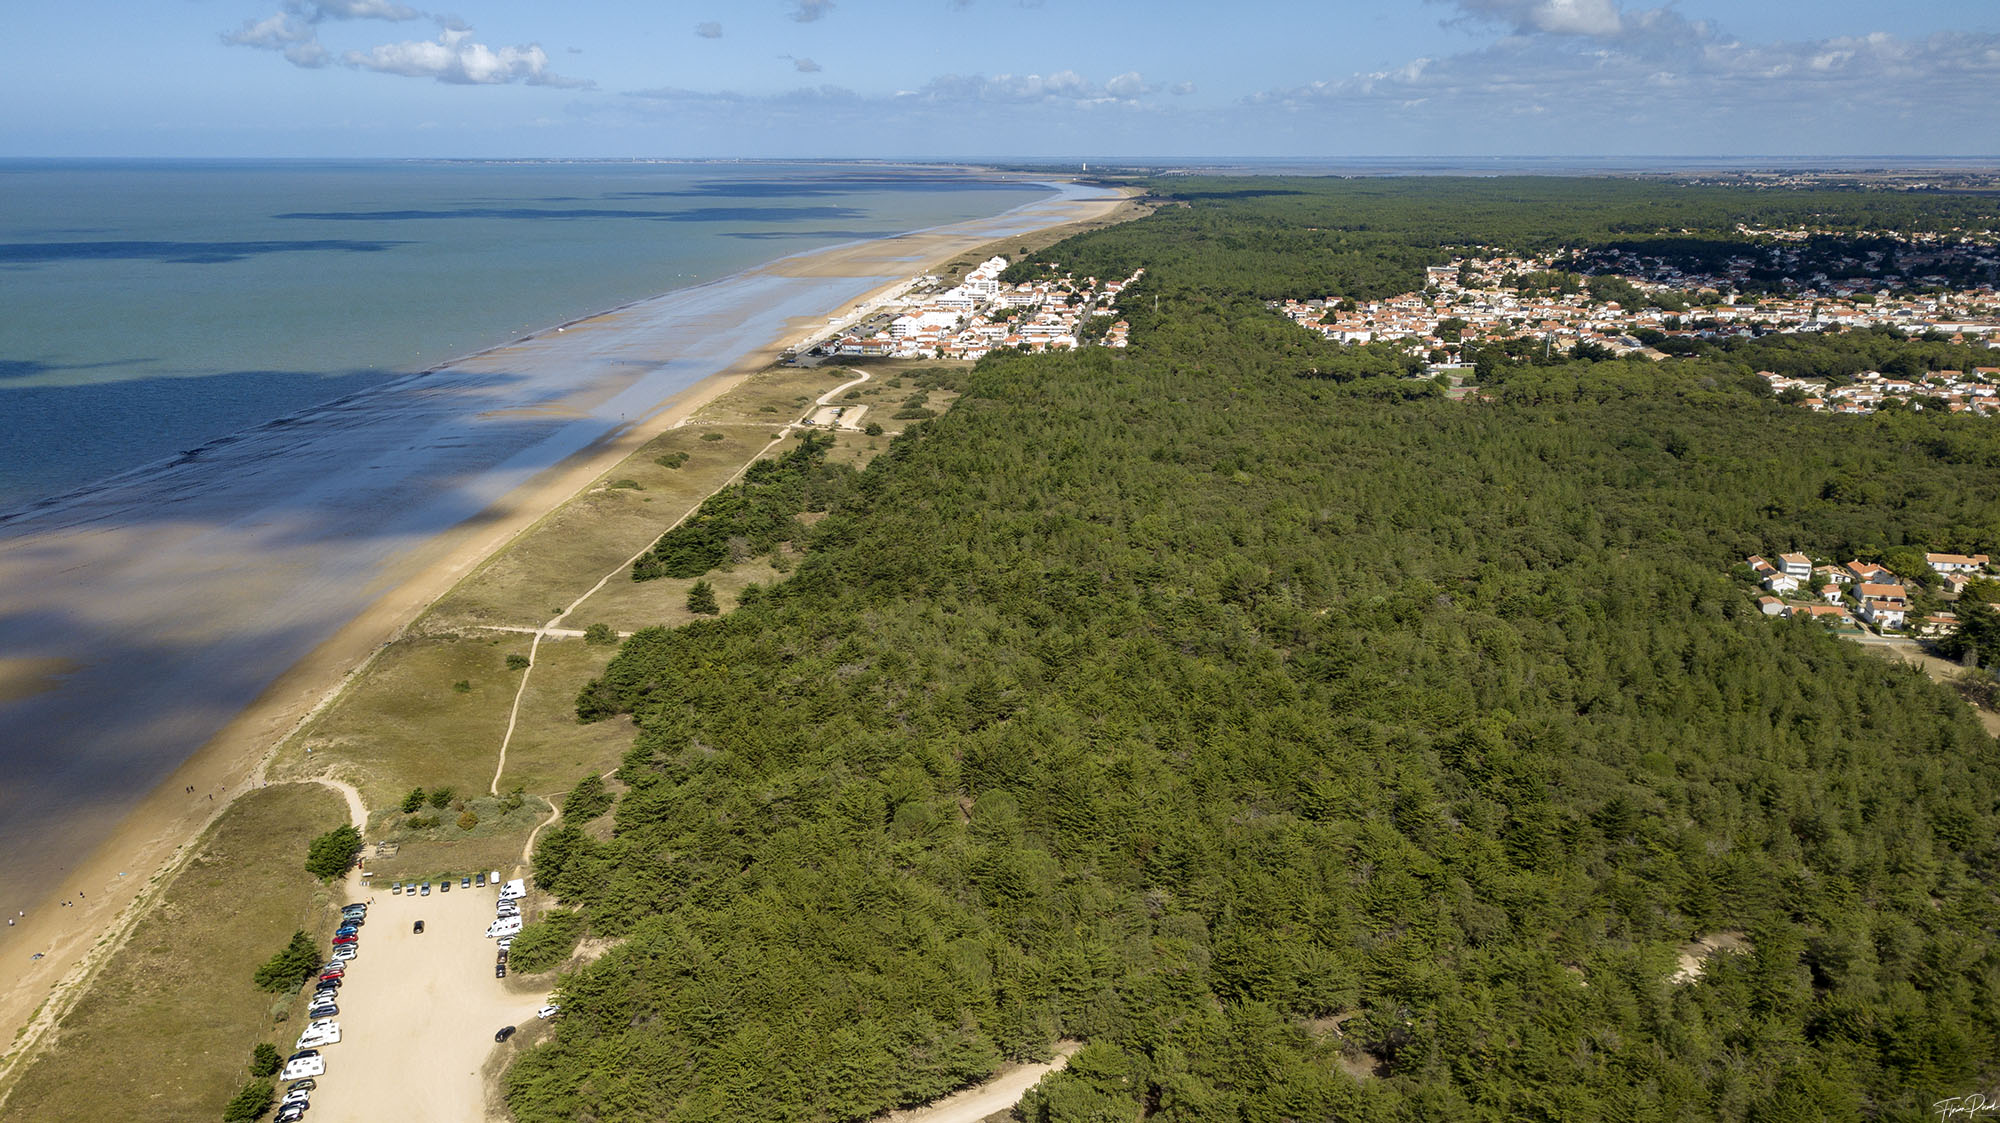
180, 253
16, 370
62, 437
827, 185
699, 214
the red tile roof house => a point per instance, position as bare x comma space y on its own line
1869, 572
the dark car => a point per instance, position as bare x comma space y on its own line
290, 1113
479, 879
417, 927
505, 1033
465, 883
444, 886
499, 970
327, 1009
306, 1085
347, 930
327, 987
302, 1054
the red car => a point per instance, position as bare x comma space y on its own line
330, 973
339, 940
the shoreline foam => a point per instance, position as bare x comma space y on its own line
152, 831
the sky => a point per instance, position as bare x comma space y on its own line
1001, 79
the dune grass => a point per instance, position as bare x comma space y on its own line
166, 1030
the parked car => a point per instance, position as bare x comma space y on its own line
354, 910
290, 1113
346, 952
499, 970
293, 1098
323, 1010
395, 889
418, 928
504, 1033
326, 973
444, 886
305, 1085
502, 957
347, 930
343, 941
301, 1055
479, 880
549, 1011
425, 891
506, 941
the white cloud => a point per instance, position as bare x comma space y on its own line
708, 29
455, 57
1128, 85
285, 32
805, 66
1591, 72
807, 11
1181, 89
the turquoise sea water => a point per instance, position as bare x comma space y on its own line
151, 306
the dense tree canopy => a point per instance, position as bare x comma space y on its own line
1310, 748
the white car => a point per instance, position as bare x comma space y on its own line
300, 1096
549, 1011
506, 941
345, 952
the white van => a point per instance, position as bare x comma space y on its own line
505, 926
304, 1067
318, 1034
514, 890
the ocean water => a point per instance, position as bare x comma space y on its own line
242, 401
151, 305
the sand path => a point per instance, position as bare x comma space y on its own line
1000, 1093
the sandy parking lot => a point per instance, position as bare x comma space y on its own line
418, 1012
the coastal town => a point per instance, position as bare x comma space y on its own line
1623, 303
1846, 596
982, 314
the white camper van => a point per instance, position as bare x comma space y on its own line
505, 926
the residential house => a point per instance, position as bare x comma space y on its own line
1795, 565
1956, 563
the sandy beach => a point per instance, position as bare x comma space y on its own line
226, 623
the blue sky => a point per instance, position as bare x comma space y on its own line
971, 79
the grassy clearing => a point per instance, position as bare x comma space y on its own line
165, 1032
431, 844
405, 724
551, 752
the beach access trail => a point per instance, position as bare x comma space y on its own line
221, 600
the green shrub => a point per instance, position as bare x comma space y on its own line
701, 599
331, 854
711, 436
600, 635
441, 797
250, 1103
264, 1059
462, 686
290, 967
468, 819
517, 662
673, 460
587, 800
413, 801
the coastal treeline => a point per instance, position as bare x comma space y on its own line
1311, 747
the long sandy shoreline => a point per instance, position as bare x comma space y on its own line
103, 893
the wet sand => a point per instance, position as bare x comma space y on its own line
163, 631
